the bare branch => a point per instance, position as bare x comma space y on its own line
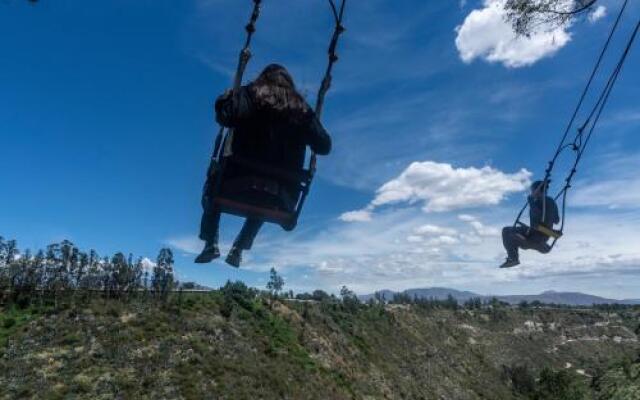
527, 16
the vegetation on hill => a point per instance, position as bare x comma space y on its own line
60, 339
242, 343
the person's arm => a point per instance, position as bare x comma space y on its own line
317, 137
232, 108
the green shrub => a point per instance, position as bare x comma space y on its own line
522, 379
237, 293
560, 385
9, 323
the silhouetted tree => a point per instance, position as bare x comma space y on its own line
379, 297
474, 303
349, 299
451, 302
63, 267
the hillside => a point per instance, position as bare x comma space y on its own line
238, 344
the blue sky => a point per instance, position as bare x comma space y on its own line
439, 118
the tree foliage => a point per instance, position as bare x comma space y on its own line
559, 385
276, 282
529, 16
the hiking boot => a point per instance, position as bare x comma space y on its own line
234, 258
209, 253
510, 263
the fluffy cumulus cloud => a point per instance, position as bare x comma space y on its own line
439, 187
487, 35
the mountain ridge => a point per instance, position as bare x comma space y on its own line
549, 296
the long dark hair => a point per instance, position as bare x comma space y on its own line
275, 90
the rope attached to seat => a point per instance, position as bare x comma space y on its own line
243, 61
338, 15
580, 141
224, 136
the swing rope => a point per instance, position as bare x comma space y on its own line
243, 61
562, 145
579, 144
338, 15
333, 58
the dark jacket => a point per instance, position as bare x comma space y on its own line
269, 137
537, 209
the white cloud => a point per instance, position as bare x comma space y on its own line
479, 228
466, 217
444, 240
429, 229
433, 235
147, 264
402, 249
486, 34
617, 193
597, 14
440, 187
613, 183
187, 244
356, 216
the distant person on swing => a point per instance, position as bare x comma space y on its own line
521, 237
272, 124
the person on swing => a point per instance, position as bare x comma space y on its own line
272, 125
520, 237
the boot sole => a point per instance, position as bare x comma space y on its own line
206, 260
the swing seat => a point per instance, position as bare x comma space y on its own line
261, 191
542, 247
552, 233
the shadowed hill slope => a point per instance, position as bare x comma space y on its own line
235, 344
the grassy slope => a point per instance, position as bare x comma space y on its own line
294, 350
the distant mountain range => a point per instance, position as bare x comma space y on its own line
567, 298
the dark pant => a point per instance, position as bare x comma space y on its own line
516, 237
210, 224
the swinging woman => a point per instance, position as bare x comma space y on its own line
272, 125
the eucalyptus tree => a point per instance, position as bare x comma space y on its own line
163, 280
